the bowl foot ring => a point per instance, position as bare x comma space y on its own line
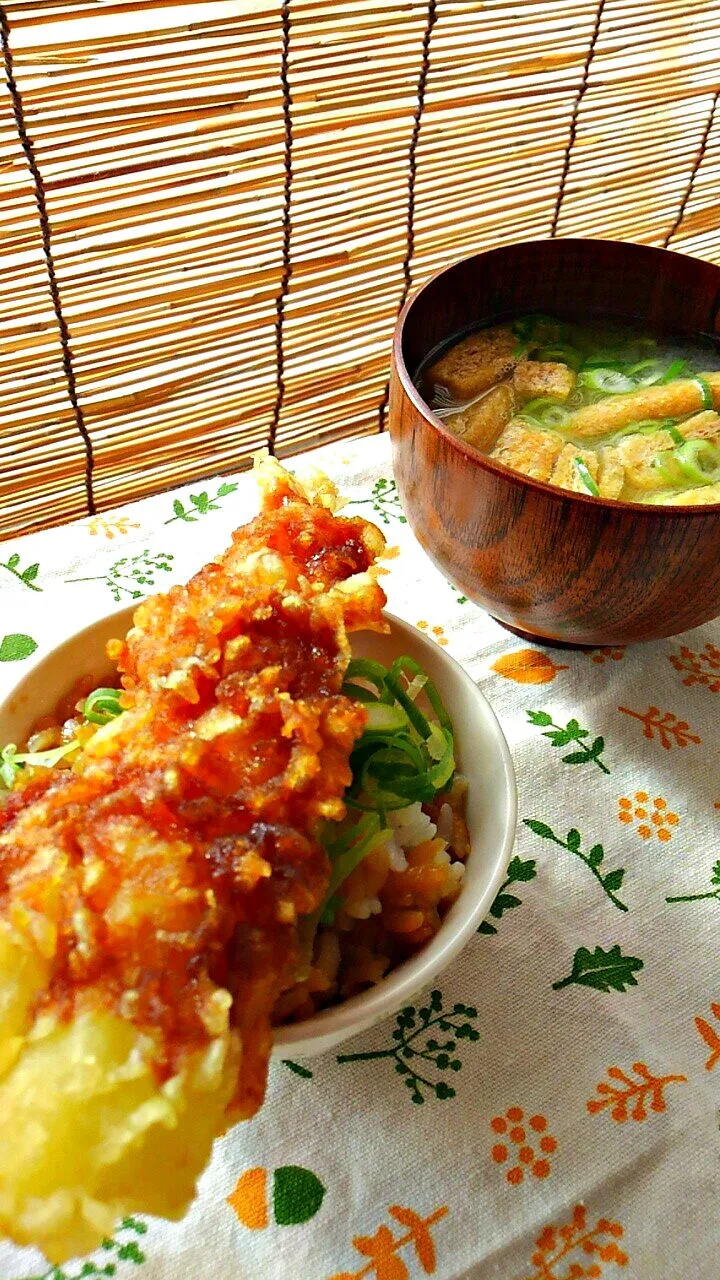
545, 641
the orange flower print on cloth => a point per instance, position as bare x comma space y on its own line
528, 666
700, 668
383, 1249
596, 1246
711, 1037
652, 817
608, 653
296, 1197
249, 1199
524, 1141
437, 633
629, 1099
111, 526
664, 728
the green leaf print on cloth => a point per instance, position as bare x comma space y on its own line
700, 897
459, 597
297, 1068
115, 1249
519, 872
592, 859
16, 646
130, 574
414, 1048
385, 501
297, 1195
603, 970
26, 576
201, 504
590, 752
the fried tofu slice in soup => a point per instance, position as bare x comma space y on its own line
675, 400
700, 497
531, 450
702, 426
534, 378
638, 451
604, 467
637, 454
482, 421
475, 364
610, 477
565, 473
150, 897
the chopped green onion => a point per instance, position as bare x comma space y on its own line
418, 721
586, 477
539, 328
705, 391
384, 719
696, 461
368, 833
608, 381
416, 687
359, 692
545, 412
102, 706
431, 693
401, 757
647, 373
443, 771
346, 854
607, 359
367, 669
436, 742
46, 759
12, 761
650, 427
8, 767
677, 369
561, 354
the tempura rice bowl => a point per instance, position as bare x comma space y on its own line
462, 881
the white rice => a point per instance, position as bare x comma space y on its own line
398, 861
410, 826
445, 822
456, 872
363, 908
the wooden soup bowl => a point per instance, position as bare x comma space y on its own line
554, 566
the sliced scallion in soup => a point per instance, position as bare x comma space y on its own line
606, 412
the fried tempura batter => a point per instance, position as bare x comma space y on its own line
149, 899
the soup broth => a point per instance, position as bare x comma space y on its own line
608, 412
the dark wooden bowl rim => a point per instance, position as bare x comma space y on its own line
488, 464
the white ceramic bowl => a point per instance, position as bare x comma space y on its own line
483, 756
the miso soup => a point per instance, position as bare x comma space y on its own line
607, 412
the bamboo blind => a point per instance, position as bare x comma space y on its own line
211, 212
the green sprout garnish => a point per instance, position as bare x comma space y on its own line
586, 479
102, 706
